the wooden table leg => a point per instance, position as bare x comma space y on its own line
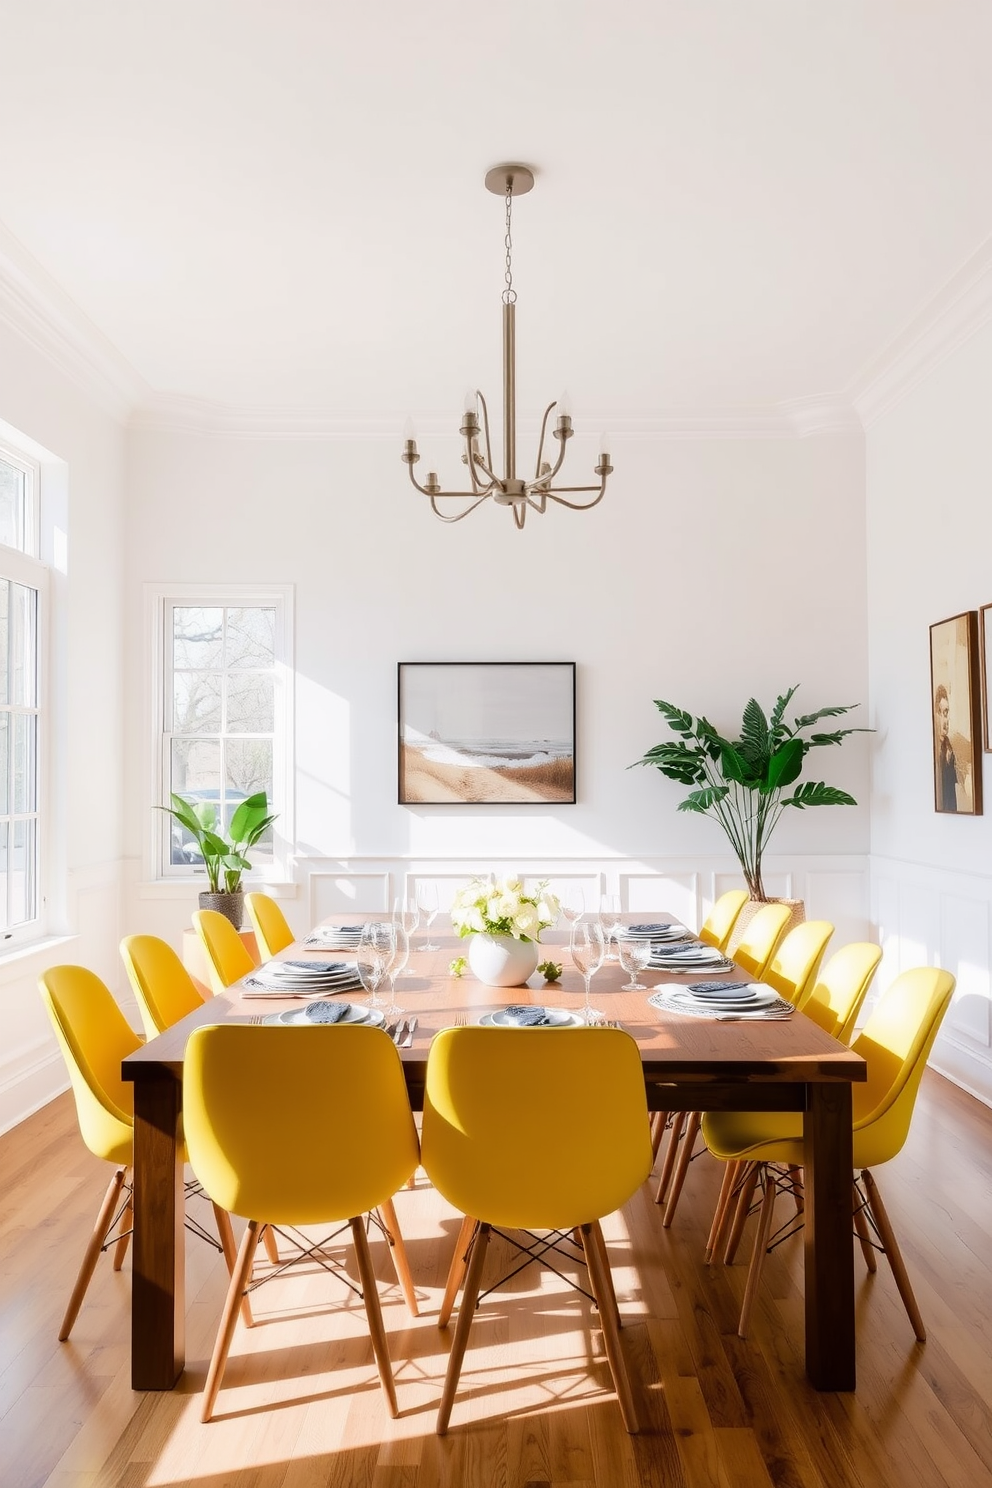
158, 1285
830, 1344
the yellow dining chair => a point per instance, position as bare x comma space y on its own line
716, 929
790, 970
793, 968
895, 1044
228, 959
272, 933
94, 1037
834, 1005
530, 1129
163, 988
759, 943
299, 1126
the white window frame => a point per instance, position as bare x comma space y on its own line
32, 499
159, 598
24, 569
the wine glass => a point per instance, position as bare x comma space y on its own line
406, 912
372, 957
427, 903
634, 956
396, 964
573, 903
586, 946
610, 920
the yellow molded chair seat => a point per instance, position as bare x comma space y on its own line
761, 937
895, 1043
299, 1126
163, 988
536, 1130
838, 995
95, 1037
228, 959
272, 933
719, 923
793, 968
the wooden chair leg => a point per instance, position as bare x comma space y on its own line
597, 1233
228, 1244
271, 1246
759, 1252
748, 1184
101, 1230
722, 1210
456, 1271
466, 1313
863, 1233
671, 1153
681, 1168
373, 1312
229, 1318
659, 1120
894, 1254
602, 1286
796, 1184
127, 1221
397, 1249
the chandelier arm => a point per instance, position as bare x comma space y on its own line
470, 461
519, 514
459, 515
494, 480
540, 445
488, 466
544, 481
579, 505
540, 504
464, 495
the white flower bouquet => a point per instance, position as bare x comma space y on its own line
501, 906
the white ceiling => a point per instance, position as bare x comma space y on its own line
278, 204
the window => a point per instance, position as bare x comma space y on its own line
225, 713
23, 587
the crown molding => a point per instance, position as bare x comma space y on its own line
944, 323
34, 306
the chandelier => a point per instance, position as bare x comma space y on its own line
509, 489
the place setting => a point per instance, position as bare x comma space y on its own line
723, 1001
333, 938
692, 957
657, 934
324, 1012
301, 979
529, 1015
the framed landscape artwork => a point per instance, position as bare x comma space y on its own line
486, 733
954, 693
985, 648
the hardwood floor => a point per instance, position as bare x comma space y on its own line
301, 1404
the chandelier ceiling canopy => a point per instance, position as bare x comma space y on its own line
509, 489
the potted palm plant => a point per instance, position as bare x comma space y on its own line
224, 857
745, 784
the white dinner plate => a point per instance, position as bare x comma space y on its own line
557, 1018
658, 933
763, 997
355, 1014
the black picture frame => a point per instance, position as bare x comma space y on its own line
955, 691
486, 733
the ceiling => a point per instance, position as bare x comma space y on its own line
279, 206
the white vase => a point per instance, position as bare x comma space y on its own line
501, 960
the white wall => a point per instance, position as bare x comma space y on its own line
712, 570
929, 475
88, 449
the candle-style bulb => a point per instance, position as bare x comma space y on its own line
409, 429
470, 401
564, 409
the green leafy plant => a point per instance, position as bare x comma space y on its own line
224, 858
551, 970
747, 783
458, 967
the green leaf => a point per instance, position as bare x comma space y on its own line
837, 735
248, 815
785, 765
753, 742
677, 718
815, 793
735, 766
703, 800
809, 719
781, 703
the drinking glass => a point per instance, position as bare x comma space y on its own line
586, 945
573, 903
427, 902
634, 956
610, 919
396, 964
372, 957
406, 912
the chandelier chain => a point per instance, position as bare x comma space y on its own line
509, 293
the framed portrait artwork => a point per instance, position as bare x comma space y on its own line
955, 694
985, 650
486, 733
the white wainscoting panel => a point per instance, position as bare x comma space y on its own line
926, 916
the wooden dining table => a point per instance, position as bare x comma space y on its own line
690, 1064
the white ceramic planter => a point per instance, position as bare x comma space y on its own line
502, 961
